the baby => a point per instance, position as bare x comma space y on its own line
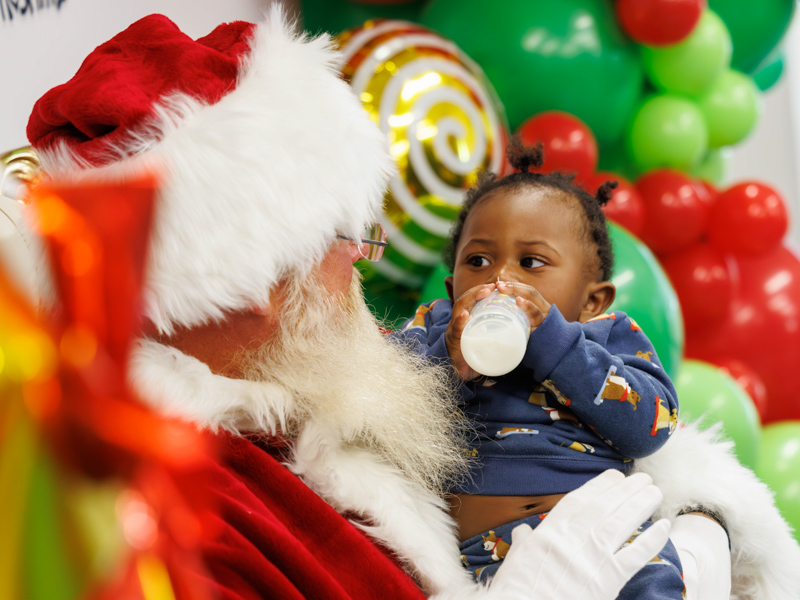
590, 393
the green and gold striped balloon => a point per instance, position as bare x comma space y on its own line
443, 125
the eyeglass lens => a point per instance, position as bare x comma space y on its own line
376, 234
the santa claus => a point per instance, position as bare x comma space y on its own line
336, 444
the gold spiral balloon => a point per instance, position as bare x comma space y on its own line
443, 123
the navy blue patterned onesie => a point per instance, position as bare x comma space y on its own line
587, 397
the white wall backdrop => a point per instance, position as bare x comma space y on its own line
44, 45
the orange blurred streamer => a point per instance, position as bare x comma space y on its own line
97, 237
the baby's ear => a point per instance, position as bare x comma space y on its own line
448, 283
600, 295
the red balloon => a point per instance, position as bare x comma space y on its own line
749, 380
762, 328
703, 283
748, 218
625, 207
676, 210
569, 145
659, 22
707, 192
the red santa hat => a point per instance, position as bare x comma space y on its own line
265, 154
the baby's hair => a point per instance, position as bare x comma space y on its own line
523, 158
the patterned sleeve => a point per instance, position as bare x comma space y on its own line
607, 372
425, 331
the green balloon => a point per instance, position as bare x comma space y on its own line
779, 467
616, 159
390, 302
335, 16
690, 66
731, 107
668, 131
540, 55
705, 391
756, 27
646, 295
769, 72
434, 288
714, 166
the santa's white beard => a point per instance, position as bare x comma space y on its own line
347, 376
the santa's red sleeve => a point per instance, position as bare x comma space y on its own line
275, 538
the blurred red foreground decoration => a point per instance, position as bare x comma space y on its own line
96, 238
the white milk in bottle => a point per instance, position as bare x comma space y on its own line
496, 335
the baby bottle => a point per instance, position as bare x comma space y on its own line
496, 336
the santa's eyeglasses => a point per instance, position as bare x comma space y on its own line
373, 242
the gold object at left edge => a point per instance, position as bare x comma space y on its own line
22, 164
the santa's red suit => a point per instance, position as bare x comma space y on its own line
278, 539
266, 154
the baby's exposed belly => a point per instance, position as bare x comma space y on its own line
476, 514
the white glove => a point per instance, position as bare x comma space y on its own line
702, 546
576, 551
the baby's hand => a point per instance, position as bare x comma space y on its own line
462, 307
528, 299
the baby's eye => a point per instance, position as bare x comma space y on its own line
478, 261
531, 262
